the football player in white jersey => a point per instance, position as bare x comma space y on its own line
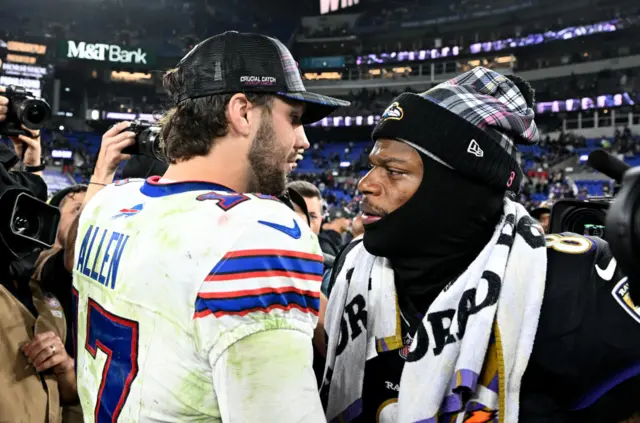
197, 293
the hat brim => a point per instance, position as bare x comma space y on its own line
318, 106
56, 199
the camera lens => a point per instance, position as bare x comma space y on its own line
582, 221
34, 112
149, 141
26, 224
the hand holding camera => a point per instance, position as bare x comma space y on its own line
114, 142
29, 149
21, 117
21, 112
147, 141
4, 106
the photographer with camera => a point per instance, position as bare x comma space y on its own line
114, 141
492, 321
26, 144
33, 329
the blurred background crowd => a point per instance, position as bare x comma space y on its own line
582, 58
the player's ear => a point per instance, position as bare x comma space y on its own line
239, 115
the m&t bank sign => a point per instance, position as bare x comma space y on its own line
105, 53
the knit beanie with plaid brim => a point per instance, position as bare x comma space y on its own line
470, 124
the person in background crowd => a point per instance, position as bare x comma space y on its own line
296, 202
492, 321
69, 201
299, 205
37, 376
53, 276
313, 200
230, 276
357, 227
543, 215
338, 223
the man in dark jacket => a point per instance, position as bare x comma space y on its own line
338, 223
444, 168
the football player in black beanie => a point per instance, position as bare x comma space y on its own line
442, 165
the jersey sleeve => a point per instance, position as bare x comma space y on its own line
611, 332
268, 279
589, 329
267, 377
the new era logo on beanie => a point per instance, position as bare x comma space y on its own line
475, 149
479, 114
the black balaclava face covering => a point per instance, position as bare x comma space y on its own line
438, 232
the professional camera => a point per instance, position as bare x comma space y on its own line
26, 223
620, 215
24, 109
588, 217
147, 141
581, 217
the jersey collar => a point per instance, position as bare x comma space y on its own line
152, 187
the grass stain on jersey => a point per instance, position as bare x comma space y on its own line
194, 397
260, 360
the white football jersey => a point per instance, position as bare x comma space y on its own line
167, 278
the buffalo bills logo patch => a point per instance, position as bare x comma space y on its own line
394, 111
128, 212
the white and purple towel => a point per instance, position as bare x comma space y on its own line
494, 307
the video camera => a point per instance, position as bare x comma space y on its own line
24, 109
582, 217
616, 219
147, 141
26, 223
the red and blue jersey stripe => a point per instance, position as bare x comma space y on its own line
267, 263
264, 300
247, 264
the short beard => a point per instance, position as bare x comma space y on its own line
266, 159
